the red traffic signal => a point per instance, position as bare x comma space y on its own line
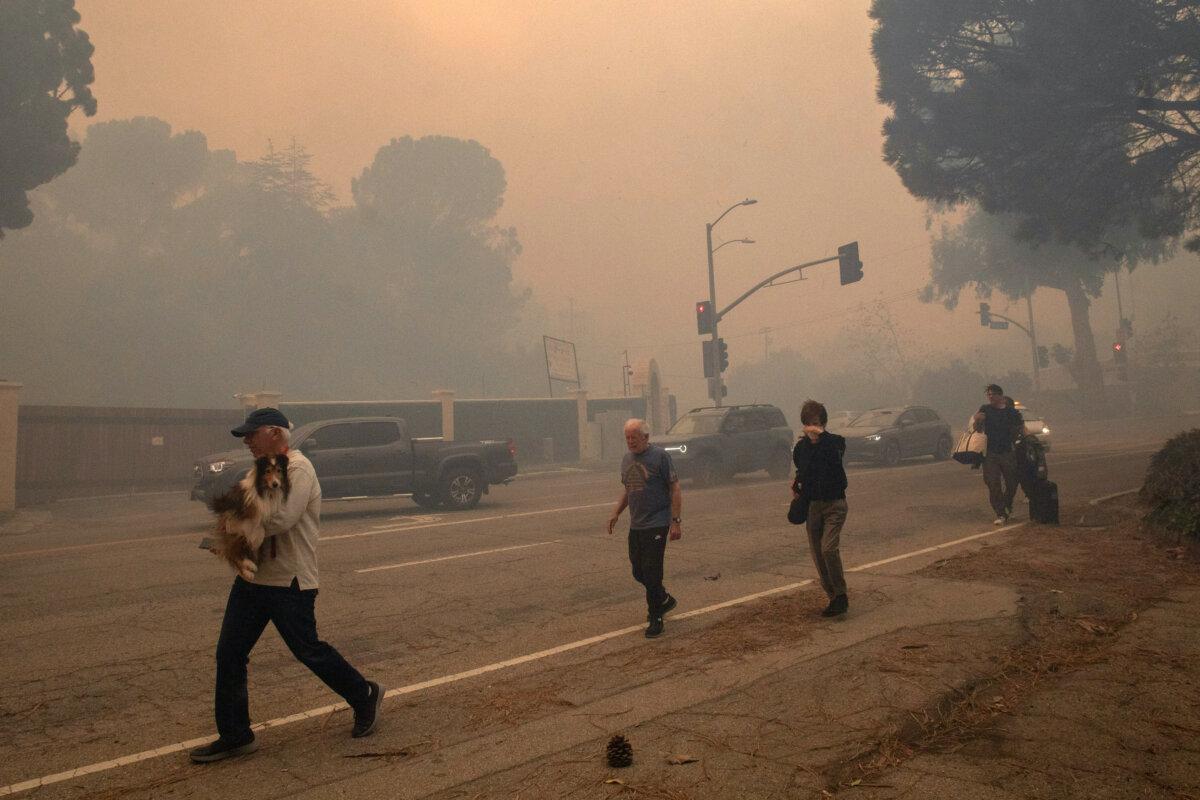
704, 317
1119, 354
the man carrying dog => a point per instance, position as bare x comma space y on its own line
283, 592
651, 491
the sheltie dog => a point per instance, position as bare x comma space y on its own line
242, 511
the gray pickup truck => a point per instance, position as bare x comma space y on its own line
375, 457
712, 444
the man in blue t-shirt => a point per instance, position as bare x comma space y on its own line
651, 491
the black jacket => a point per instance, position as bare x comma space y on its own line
819, 469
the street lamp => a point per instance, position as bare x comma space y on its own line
717, 384
733, 241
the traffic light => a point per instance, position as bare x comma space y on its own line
850, 266
723, 354
1119, 355
1126, 327
1043, 356
707, 348
704, 317
985, 315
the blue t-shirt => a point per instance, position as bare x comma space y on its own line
648, 477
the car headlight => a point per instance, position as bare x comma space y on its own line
219, 466
681, 449
874, 437
1045, 430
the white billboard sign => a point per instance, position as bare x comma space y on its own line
561, 364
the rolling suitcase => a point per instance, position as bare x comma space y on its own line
1043, 502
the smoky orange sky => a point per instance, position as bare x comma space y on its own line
623, 127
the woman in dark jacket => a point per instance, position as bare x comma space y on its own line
821, 477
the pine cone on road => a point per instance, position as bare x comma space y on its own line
620, 752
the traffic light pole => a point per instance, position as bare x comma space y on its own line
766, 281
1033, 345
715, 383
1037, 383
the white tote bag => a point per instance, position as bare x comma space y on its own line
971, 445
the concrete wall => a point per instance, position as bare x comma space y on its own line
63, 451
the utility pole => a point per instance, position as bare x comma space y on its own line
626, 375
1033, 345
766, 332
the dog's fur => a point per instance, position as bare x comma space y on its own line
242, 511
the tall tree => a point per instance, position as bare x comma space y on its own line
45, 71
1077, 116
985, 252
424, 235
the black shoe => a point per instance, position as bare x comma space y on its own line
837, 606
667, 607
655, 628
222, 748
366, 717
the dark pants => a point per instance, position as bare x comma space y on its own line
647, 547
249, 608
824, 525
1002, 476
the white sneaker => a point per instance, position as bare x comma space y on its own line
999, 520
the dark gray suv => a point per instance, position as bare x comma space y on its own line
713, 444
886, 435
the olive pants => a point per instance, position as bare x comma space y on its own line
825, 520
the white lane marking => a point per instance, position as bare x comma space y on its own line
460, 555
405, 528
404, 521
1113, 454
115, 496
941, 546
459, 676
1112, 496
93, 545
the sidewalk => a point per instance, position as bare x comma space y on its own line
1087, 686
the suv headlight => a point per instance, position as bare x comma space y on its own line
217, 467
874, 437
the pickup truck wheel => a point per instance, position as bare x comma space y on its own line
425, 500
461, 489
780, 464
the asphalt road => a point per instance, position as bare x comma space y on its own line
109, 612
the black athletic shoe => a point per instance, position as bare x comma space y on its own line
366, 717
667, 607
222, 748
837, 606
655, 628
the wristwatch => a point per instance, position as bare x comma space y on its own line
677, 519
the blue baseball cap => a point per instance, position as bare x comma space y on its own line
261, 418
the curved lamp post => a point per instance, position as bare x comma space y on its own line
717, 383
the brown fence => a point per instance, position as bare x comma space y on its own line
74, 450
